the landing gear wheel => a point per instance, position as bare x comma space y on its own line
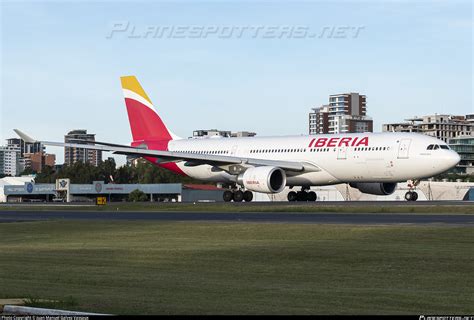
302, 196
292, 196
228, 196
311, 196
238, 196
248, 196
411, 196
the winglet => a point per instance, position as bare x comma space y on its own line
24, 136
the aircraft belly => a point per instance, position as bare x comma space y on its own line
319, 178
380, 169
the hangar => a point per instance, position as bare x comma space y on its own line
63, 191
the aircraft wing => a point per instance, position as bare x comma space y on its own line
192, 159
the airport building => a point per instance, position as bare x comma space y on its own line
441, 126
24, 189
345, 113
73, 155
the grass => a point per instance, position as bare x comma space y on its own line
379, 207
221, 268
63, 304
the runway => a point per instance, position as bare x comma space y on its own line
257, 217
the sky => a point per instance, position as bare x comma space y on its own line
61, 63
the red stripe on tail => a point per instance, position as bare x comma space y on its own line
145, 123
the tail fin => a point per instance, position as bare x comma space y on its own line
145, 123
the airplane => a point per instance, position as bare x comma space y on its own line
372, 162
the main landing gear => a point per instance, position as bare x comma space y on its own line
302, 195
412, 195
237, 196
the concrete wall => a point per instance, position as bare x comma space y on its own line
191, 195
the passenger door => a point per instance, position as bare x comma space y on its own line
233, 150
342, 153
404, 148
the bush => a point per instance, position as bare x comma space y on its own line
137, 196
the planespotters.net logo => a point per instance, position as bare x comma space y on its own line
128, 30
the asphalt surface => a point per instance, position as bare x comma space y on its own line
280, 217
256, 204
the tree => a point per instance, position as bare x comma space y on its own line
106, 169
27, 172
137, 196
144, 172
47, 175
126, 174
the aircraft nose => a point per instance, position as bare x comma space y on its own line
448, 160
454, 158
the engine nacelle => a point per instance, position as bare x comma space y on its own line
379, 189
263, 179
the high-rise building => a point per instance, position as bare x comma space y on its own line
441, 126
10, 163
25, 147
464, 146
241, 134
73, 155
37, 161
319, 120
345, 113
31, 155
221, 133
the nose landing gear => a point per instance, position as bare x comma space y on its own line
412, 195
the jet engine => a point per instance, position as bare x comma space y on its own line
379, 189
263, 179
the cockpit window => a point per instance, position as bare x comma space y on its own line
436, 147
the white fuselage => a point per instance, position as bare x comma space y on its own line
364, 157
